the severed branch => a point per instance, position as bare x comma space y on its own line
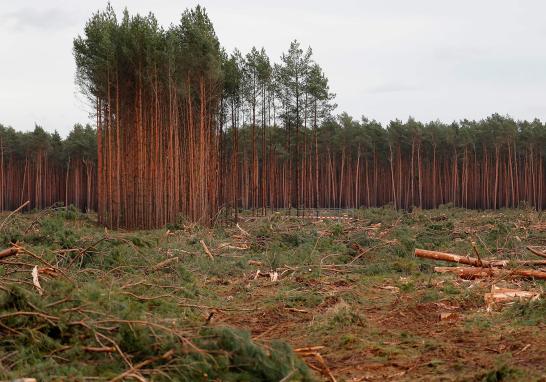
163, 264
167, 356
477, 253
536, 252
312, 352
13, 213
102, 349
242, 230
39, 258
206, 249
9, 252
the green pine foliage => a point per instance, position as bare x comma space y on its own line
81, 143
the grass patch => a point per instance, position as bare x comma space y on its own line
528, 313
503, 374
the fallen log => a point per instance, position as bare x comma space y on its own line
8, 252
475, 262
529, 273
503, 295
434, 255
473, 273
467, 273
507, 295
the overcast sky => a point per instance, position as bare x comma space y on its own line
433, 59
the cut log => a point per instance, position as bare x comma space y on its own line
434, 255
476, 262
448, 316
529, 273
8, 252
473, 273
503, 295
467, 273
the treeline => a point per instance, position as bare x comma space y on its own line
345, 163
44, 169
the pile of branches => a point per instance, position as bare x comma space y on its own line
60, 318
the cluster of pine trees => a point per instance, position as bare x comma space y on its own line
44, 169
157, 94
169, 103
182, 127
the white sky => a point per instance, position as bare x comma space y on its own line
387, 59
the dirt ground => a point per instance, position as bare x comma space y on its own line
410, 326
400, 338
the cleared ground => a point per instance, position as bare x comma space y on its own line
188, 303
